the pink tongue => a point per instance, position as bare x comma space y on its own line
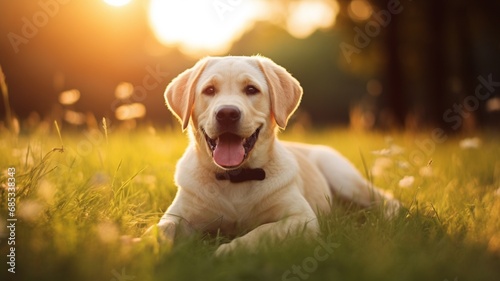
229, 151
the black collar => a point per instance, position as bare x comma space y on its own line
242, 175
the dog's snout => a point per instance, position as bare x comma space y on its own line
228, 115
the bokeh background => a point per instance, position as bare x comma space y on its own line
368, 64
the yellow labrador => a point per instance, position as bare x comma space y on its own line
236, 177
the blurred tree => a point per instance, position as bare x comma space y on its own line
426, 53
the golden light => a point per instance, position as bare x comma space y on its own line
360, 10
108, 232
30, 210
69, 97
74, 118
493, 104
201, 27
130, 111
117, 3
124, 90
308, 16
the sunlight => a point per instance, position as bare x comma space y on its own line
200, 27
69, 97
360, 10
308, 16
124, 90
130, 111
117, 3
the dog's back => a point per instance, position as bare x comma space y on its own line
326, 173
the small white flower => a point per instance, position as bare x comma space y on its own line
406, 182
404, 165
426, 171
396, 149
391, 151
380, 165
470, 143
382, 152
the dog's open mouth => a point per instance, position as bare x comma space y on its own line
230, 150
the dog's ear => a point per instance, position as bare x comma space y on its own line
284, 90
180, 93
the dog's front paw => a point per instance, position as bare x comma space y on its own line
163, 233
224, 249
392, 207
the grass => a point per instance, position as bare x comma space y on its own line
82, 195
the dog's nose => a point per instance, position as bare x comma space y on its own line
228, 115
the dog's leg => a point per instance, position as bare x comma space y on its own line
347, 182
164, 231
275, 231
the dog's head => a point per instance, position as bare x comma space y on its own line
231, 103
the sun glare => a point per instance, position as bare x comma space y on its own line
360, 10
200, 27
308, 16
117, 3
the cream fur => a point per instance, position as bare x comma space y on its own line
300, 179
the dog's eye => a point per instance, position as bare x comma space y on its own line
251, 90
209, 91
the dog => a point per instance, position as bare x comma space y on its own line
236, 177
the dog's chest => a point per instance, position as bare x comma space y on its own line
231, 212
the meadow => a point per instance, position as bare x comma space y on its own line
83, 194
